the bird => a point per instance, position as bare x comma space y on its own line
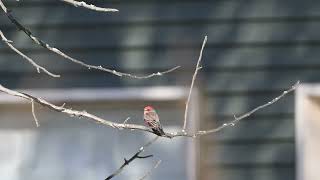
151, 119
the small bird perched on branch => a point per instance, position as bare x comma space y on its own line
151, 119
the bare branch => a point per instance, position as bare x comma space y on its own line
245, 115
38, 67
150, 171
198, 67
73, 113
135, 156
89, 6
74, 60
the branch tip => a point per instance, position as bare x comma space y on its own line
89, 6
198, 67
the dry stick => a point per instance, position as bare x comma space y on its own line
74, 60
38, 67
99, 120
150, 171
135, 156
198, 67
89, 6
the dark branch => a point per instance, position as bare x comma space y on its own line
135, 156
143, 157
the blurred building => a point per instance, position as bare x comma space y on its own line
255, 50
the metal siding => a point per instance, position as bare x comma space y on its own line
256, 49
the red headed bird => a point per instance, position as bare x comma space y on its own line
151, 119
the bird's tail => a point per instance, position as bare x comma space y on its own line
159, 131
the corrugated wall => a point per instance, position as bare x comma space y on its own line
256, 49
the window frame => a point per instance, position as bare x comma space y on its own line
307, 111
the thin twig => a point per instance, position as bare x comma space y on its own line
38, 67
135, 156
198, 67
245, 115
150, 171
89, 6
34, 114
74, 60
125, 121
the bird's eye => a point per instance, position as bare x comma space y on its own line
147, 108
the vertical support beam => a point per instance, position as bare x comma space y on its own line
307, 124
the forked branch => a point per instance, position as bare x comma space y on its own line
135, 156
71, 112
198, 67
31, 61
74, 60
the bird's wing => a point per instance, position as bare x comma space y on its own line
152, 118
